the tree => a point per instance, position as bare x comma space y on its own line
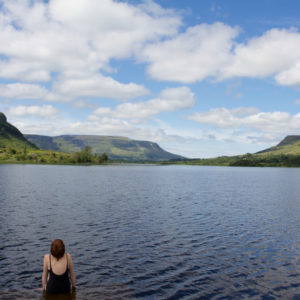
84, 156
102, 158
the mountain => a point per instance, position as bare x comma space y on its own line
117, 148
289, 145
285, 154
11, 137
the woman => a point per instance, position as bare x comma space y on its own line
58, 270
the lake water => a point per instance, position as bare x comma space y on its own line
153, 232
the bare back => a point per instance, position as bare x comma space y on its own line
59, 267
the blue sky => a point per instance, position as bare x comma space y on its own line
201, 78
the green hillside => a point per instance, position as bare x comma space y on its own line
117, 148
290, 145
11, 137
285, 154
73, 149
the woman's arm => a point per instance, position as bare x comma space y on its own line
45, 272
71, 271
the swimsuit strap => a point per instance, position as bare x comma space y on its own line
50, 262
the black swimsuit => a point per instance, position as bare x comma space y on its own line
58, 283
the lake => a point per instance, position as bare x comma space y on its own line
153, 232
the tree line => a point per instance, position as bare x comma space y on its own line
85, 156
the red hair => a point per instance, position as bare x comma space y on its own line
58, 249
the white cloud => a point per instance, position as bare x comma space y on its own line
34, 110
70, 42
210, 51
273, 124
244, 111
170, 99
78, 33
218, 117
198, 53
290, 77
22, 91
99, 86
24, 70
28, 91
40, 41
273, 52
101, 126
246, 128
83, 31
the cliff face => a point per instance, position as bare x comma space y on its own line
2, 118
289, 145
289, 140
11, 137
121, 148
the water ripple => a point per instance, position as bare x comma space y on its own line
149, 232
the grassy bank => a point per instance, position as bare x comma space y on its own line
247, 160
31, 156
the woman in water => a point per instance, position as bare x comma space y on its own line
58, 270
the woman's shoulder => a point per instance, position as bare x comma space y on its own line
69, 257
46, 260
46, 256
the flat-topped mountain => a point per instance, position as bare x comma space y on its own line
117, 148
11, 137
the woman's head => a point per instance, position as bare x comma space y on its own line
58, 248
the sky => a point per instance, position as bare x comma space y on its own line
200, 78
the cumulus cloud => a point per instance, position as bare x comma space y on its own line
61, 39
170, 99
33, 110
22, 70
273, 52
210, 51
99, 86
290, 77
70, 43
22, 91
272, 123
193, 55
29, 91
67, 37
247, 126
91, 31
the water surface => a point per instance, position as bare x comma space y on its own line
153, 232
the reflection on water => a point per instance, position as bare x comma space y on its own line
153, 232
69, 296
38, 295
84, 293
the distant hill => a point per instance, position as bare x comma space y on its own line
11, 137
13, 145
117, 148
290, 145
285, 154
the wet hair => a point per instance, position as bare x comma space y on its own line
58, 248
